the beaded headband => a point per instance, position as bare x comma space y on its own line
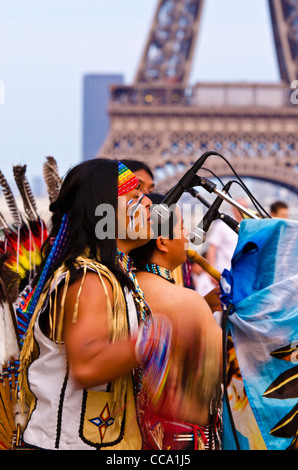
127, 181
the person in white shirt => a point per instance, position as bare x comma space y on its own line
202, 281
222, 241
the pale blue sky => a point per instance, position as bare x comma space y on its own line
47, 47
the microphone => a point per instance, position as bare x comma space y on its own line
197, 195
227, 219
187, 181
198, 235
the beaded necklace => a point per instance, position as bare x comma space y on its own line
158, 270
143, 310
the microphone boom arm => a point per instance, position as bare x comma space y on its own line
232, 223
211, 188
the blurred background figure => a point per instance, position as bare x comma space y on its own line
143, 173
279, 209
201, 280
222, 241
221, 244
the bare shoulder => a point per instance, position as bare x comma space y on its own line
92, 289
161, 293
188, 297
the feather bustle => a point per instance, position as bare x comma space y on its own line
52, 178
10, 200
30, 208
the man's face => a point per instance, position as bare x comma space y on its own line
146, 182
281, 213
134, 221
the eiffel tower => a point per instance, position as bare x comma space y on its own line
163, 121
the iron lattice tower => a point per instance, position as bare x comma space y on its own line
168, 124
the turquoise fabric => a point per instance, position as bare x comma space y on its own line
262, 287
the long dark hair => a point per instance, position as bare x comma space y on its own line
86, 186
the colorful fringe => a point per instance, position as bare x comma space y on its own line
153, 350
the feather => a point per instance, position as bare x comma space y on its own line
30, 208
52, 178
10, 278
9, 346
3, 223
9, 353
9, 291
9, 197
21, 415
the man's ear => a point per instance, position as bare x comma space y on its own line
161, 244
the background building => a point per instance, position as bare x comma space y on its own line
96, 121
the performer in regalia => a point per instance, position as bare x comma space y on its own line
78, 356
90, 343
187, 413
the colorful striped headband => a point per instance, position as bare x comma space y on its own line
127, 181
